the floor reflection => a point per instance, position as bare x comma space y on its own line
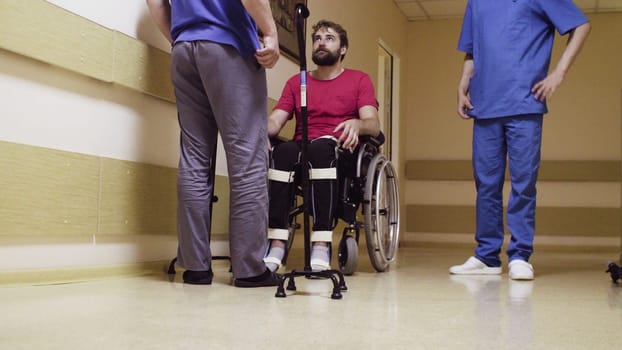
500, 320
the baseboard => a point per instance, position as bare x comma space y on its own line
76, 275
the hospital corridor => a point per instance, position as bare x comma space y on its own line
416, 304
109, 171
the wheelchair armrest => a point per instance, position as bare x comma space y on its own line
374, 141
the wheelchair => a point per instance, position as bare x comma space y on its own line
368, 199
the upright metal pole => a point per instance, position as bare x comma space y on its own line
302, 12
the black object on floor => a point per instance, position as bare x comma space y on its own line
198, 277
267, 279
615, 271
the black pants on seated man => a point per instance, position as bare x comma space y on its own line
322, 157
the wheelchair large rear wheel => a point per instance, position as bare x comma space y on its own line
381, 211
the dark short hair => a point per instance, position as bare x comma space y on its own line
343, 35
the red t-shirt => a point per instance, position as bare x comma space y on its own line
329, 102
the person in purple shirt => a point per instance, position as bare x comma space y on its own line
504, 87
218, 71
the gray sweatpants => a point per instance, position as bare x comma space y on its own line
218, 90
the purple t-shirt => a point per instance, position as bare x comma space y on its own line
221, 21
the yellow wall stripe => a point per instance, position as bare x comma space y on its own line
47, 192
48, 33
550, 170
141, 67
553, 221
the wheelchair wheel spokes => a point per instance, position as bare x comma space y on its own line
381, 210
388, 210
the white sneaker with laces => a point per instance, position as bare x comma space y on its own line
520, 270
473, 266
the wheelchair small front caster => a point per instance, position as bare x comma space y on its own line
348, 255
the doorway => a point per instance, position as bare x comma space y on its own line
387, 93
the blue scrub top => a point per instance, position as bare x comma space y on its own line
221, 21
511, 43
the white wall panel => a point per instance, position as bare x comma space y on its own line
50, 107
130, 17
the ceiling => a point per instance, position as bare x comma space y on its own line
422, 10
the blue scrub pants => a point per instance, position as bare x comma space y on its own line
516, 139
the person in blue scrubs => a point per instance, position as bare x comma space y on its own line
218, 71
504, 87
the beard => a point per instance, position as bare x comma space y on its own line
323, 57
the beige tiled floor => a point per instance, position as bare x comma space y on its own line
572, 304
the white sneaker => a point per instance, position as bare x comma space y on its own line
318, 265
273, 263
520, 270
320, 258
473, 266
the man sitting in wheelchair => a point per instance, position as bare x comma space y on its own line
341, 106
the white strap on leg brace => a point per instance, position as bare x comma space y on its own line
281, 175
323, 174
278, 233
322, 236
